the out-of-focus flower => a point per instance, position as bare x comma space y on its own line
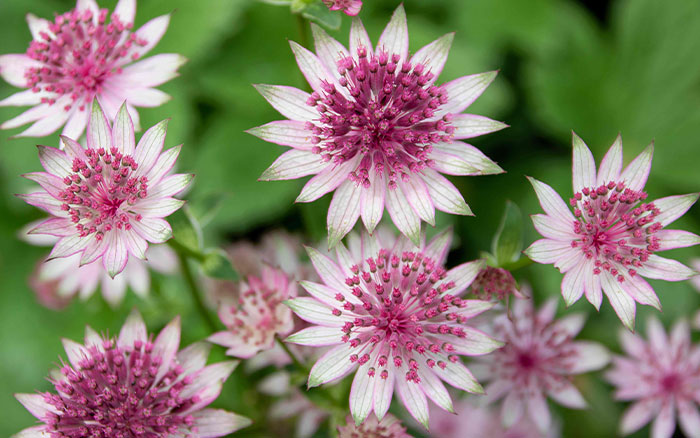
57, 281
538, 360
350, 7
133, 386
388, 427
494, 284
610, 241
393, 314
258, 315
108, 200
377, 131
696, 280
278, 249
82, 55
481, 422
661, 376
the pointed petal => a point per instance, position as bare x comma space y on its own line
434, 55
152, 71
591, 356
13, 67
512, 409
24, 98
539, 411
328, 50
157, 208
458, 158
463, 91
636, 174
166, 345
134, 329
572, 284
288, 101
444, 194
551, 202
317, 336
116, 254
359, 37
149, 147
584, 173
343, 211
637, 415
333, 365
315, 312
37, 26
372, 201
566, 394
403, 216
439, 246
689, 418
293, 164
622, 303
171, 185
151, 32
394, 39
99, 134
671, 239
331, 274
418, 198
665, 422
36, 405
553, 229
361, 394
413, 399
661, 268
212, 423
123, 132
462, 275
673, 207
311, 67
470, 125
154, 230
125, 10
457, 375
286, 133
611, 166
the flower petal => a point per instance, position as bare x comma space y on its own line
134, 329
99, 134
293, 164
665, 422
394, 39
590, 356
116, 254
326, 180
288, 101
343, 211
14, 66
152, 71
154, 230
359, 37
434, 55
149, 147
444, 194
418, 198
313, 311
413, 398
673, 207
611, 166
361, 394
166, 345
470, 125
123, 132
463, 91
671, 239
551, 202
661, 268
317, 336
372, 201
458, 158
636, 173
403, 216
311, 67
212, 423
286, 133
328, 50
584, 173
333, 365
637, 415
622, 303
566, 394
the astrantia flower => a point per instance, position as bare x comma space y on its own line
350, 7
64, 278
133, 386
84, 54
377, 130
258, 315
278, 249
662, 377
392, 313
481, 422
494, 284
538, 360
108, 200
388, 427
610, 241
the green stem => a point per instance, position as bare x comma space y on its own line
303, 30
303, 368
522, 262
194, 291
186, 250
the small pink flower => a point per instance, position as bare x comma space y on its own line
85, 53
388, 427
278, 249
494, 284
538, 360
610, 241
108, 200
350, 7
377, 130
133, 386
258, 315
469, 421
662, 377
392, 313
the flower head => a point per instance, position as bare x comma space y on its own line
133, 386
494, 284
82, 55
610, 241
393, 313
108, 200
661, 376
258, 315
377, 130
278, 249
350, 7
481, 422
388, 427
538, 360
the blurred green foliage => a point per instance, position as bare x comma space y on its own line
637, 72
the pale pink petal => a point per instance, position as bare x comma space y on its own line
312, 311
55, 226
673, 207
439, 246
462, 276
418, 198
68, 245
156, 208
125, 10
151, 32
403, 216
142, 96
343, 211
611, 166
456, 375
328, 295
665, 422
166, 345
36, 405
288, 101
75, 352
444, 194
44, 201
193, 357
553, 229
31, 115
317, 336
539, 411
212, 423
551, 202
636, 173
331, 274
394, 39
591, 356
622, 303
584, 173
171, 185
23, 98
547, 251
672, 239
637, 415
661, 268
37, 26
382, 393
134, 329
458, 158
361, 394
76, 124
372, 201
567, 395
116, 255
328, 50
149, 147
123, 132
51, 121
152, 71
32, 432
413, 399
640, 291
359, 37
572, 284
13, 67
475, 343
163, 165
434, 55
464, 91
470, 125
94, 250
99, 133
433, 387
154, 230
591, 284
689, 418
286, 133
327, 180
293, 164
512, 409
311, 67
333, 365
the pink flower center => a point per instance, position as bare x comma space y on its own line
79, 54
100, 192
671, 383
114, 393
400, 306
615, 230
385, 113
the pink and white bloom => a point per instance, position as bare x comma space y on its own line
610, 241
258, 315
392, 313
388, 427
277, 248
84, 54
108, 200
349, 7
482, 422
538, 360
661, 375
133, 385
377, 130
495, 284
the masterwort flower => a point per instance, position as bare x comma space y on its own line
610, 241
258, 315
538, 360
108, 200
391, 312
377, 130
495, 284
82, 55
349, 7
133, 386
662, 377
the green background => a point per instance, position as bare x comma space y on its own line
634, 68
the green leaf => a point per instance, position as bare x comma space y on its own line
216, 264
508, 241
187, 233
320, 14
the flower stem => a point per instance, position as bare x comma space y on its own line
303, 30
195, 292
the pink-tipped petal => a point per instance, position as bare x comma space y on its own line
285, 133
611, 166
636, 173
394, 39
583, 171
292, 165
434, 55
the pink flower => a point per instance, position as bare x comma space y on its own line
388, 427
610, 241
538, 360
481, 422
108, 200
391, 312
133, 386
377, 131
696, 280
258, 315
350, 7
494, 284
85, 54
662, 377
278, 249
